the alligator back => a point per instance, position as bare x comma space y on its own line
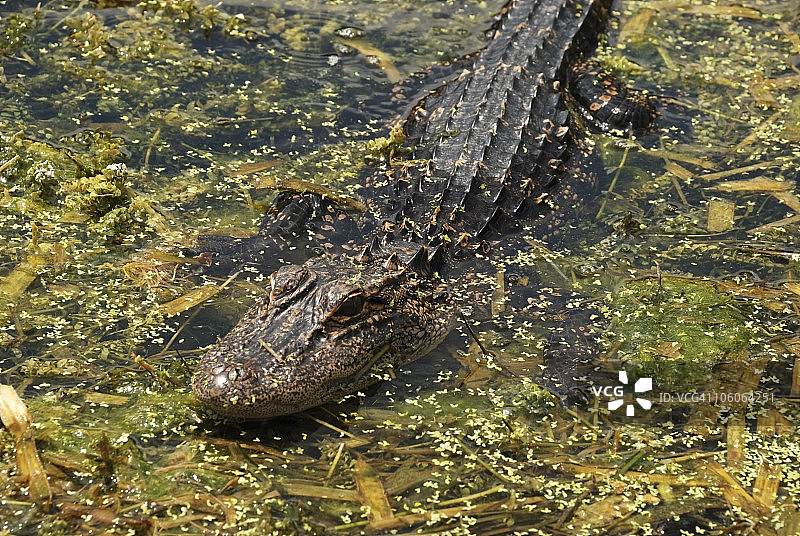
489, 147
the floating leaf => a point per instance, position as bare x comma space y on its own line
756, 184
14, 415
380, 58
602, 512
778, 223
107, 399
321, 492
736, 171
15, 283
187, 301
254, 167
793, 287
708, 9
636, 26
720, 215
734, 493
789, 199
679, 171
373, 496
297, 185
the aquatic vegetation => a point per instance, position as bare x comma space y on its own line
130, 128
676, 330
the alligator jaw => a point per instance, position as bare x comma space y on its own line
319, 332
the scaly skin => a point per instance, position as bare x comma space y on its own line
491, 149
319, 333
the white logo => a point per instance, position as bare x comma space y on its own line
642, 386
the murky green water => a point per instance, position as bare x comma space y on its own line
128, 129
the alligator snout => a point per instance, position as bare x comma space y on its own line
239, 392
223, 388
317, 335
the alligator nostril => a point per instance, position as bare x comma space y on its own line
233, 374
240, 374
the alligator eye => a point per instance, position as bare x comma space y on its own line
350, 307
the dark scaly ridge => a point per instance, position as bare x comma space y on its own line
495, 136
491, 147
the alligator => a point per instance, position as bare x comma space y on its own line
492, 150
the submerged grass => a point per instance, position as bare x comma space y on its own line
129, 128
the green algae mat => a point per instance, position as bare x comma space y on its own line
128, 129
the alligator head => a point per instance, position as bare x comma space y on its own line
321, 332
